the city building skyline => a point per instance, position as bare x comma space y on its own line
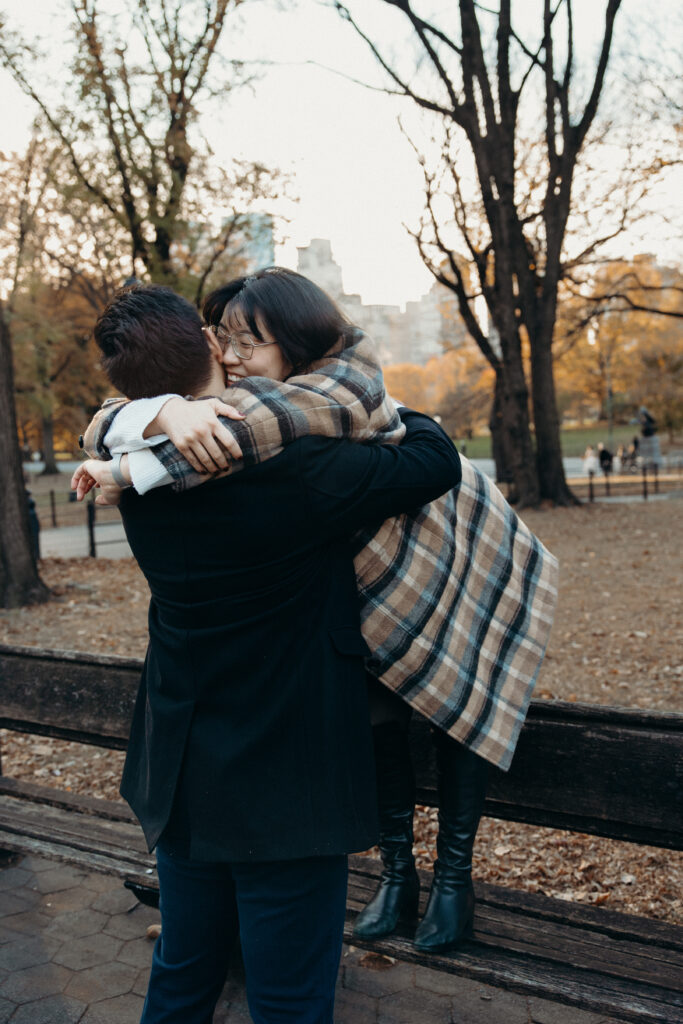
423, 329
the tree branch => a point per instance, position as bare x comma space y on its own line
421, 101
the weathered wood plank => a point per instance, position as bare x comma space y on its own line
68, 694
365, 873
492, 957
83, 831
88, 860
25, 790
588, 990
575, 769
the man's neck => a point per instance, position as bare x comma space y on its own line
215, 386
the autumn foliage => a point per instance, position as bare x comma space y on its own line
58, 380
456, 387
620, 342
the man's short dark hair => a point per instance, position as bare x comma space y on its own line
152, 343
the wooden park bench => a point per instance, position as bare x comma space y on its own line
605, 771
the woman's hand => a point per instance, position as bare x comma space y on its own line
93, 473
198, 434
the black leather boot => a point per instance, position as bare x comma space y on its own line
462, 780
399, 887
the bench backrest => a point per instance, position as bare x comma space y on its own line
613, 772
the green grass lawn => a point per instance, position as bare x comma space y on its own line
574, 440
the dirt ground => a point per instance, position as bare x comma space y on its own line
617, 639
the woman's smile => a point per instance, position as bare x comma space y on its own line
266, 359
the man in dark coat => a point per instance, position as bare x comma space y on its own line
250, 758
605, 456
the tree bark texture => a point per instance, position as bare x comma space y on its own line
20, 583
553, 484
499, 451
49, 458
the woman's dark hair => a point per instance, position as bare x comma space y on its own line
299, 315
152, 343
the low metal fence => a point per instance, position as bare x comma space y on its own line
57, 510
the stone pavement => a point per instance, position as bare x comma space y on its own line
73, 950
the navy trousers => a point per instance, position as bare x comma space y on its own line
290, 917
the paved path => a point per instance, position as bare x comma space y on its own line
72, 541
73, 950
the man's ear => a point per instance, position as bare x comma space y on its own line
214, 347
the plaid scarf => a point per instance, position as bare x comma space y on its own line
457, 599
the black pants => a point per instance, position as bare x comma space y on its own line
290, 916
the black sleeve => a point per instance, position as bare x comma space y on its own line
351, 485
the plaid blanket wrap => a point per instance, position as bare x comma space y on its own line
457, 598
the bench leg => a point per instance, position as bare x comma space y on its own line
399, 887
462, 780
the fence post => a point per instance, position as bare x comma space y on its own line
591, 496
34, 526
53, 508
655, 470
644, 482
91, 528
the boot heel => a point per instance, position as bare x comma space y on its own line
412, 907
393, 902
448, 919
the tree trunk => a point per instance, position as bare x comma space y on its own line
20, 583
515, 428
498, 446
501, 446
51, 467
553, 485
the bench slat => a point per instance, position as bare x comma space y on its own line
611, 923
594, 770
80, 831
113, 810
84, 697
585, 989
521, 950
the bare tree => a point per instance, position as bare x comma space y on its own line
129, 127
20, 206
474, 77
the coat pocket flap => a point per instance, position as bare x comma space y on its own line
348, 640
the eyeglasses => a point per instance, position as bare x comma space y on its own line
242, 342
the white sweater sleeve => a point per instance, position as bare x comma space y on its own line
125, 435
128, 426
146, 471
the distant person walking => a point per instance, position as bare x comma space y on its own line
648, 424
650, 451
590, 461
605, 458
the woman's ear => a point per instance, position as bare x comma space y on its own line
212, 342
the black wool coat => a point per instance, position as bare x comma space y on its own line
250, 737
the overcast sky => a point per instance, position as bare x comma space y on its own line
354, 172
